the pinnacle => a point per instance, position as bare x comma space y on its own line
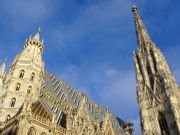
39, 30
134, 8
37, 35
2, 68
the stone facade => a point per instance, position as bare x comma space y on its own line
157, 92
35, 102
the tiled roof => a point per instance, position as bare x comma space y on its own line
65, 92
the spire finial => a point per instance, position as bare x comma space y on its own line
5, 60
39, 30
37, 35
134, 8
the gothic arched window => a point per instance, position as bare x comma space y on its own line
31, 131
18, 86
163, 124
7, 117
32, 76
63, 120
21, 75
13, 101
29, 89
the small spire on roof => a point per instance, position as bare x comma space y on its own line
3, 68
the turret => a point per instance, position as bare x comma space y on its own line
35, 41
24, 78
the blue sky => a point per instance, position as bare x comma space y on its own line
89, 43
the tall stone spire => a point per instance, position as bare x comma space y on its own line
157, 92
141, 31
151, 62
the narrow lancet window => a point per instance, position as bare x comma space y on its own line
13, 101
32, 76
29, 89
21, 74
18, 87
63, 120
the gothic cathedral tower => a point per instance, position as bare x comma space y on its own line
157, 92
24, 79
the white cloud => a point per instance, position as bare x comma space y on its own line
119, 91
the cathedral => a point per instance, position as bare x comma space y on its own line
34, 101
157, 91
